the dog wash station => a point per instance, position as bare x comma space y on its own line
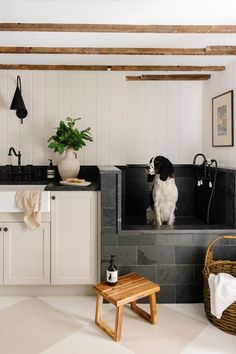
171, 256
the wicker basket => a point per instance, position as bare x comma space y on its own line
227, 322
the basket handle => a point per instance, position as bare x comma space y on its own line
209, 253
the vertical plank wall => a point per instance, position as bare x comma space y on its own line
219, 83
130, 121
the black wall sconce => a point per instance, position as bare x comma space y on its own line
18, 103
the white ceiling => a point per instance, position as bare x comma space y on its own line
120, 11
208, 12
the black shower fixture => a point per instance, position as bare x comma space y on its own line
18, 103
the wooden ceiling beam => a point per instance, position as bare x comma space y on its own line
112, 67
53, 67
168, 77
211, 50
166, 68
115, 28
102, 51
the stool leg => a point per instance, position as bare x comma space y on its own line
98, 315
152, 317
118, 325
114, 334
153, 308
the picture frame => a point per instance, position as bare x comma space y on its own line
222, 120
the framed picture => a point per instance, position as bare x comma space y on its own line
222, 120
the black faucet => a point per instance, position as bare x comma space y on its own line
204, 165
204, 158
12, 150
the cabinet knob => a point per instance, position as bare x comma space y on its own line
5, 229
53, 197
0, 229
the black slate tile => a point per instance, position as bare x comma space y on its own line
108, 217
184, 170
230, 184
137, 239
108, 198
175, 274
189, 293
221, 185
190, 254
185, 183
173, 239
224, 253
205, 239
106, 230
198, 274
149, 272
167, 294
108, 181
156, 255
125, 255
109, 239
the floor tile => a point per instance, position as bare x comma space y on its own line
88, 340
7, 301
212, 341
80, 308
194, 310
31, 326
181, 329
173, 332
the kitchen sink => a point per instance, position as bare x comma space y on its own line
7, 197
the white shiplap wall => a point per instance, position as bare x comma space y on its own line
220, 82
130, 121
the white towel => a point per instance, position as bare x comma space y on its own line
30, 201
222, 292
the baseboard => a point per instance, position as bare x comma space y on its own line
46, 290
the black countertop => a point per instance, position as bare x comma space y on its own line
55, 186
37, 175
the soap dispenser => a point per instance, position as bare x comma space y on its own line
112, 272
51, 173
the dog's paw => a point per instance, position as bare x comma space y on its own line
150, 217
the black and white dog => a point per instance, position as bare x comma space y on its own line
164, 194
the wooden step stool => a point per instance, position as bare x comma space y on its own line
129, 288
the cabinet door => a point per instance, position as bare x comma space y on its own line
74, 237
26, 254
1, 253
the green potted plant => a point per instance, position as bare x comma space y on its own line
69, 139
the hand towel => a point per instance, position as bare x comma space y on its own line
222, 292
30, 201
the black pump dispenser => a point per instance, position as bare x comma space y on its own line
51, 170
112, 272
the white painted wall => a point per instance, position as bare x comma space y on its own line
130, 121
219, 83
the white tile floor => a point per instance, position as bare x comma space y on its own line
181, 329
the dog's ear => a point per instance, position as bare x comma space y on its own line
166, 169
151, 159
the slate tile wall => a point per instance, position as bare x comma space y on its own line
192, 200
174, 259
136, 189
222, 209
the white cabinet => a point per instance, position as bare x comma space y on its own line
26, 254
74, 237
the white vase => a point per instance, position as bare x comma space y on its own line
69, 165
